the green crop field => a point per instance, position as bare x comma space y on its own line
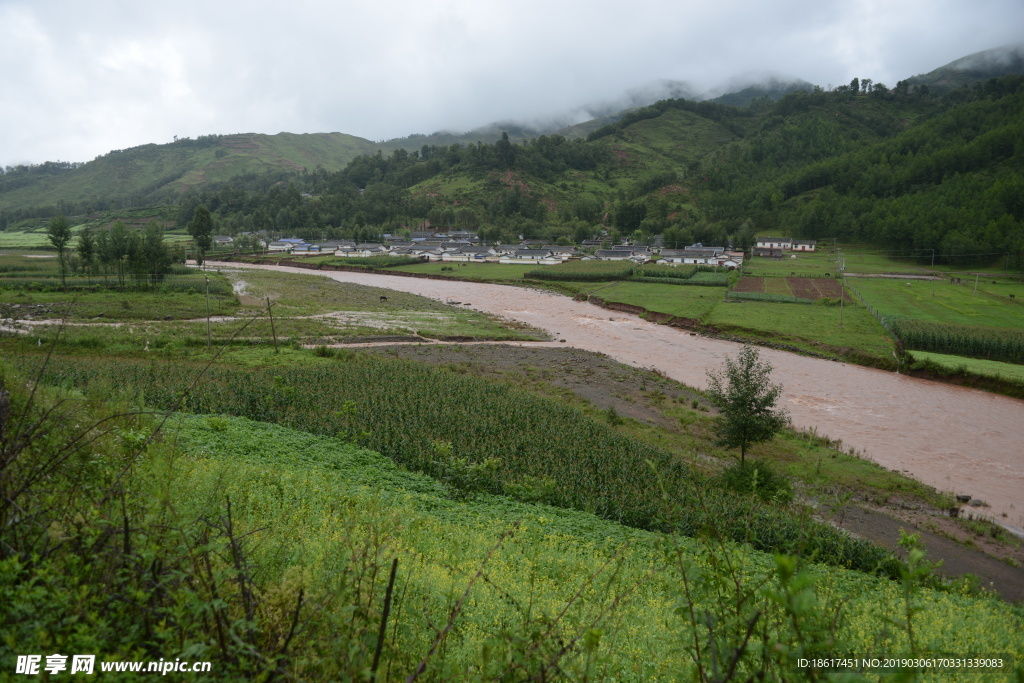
14, 239
942, 302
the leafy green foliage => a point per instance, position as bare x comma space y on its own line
201, 230
59, 234
757, 479
744, 394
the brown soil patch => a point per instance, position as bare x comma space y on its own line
816, 288
802, 287
753, 285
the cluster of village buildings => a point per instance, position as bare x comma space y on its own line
466, 247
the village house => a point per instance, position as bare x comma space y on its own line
285, 244
623, 254
334, 245
731, 259
306, 250
564, 253
467, 254
455, 245
429, 252
539, 256
361, 250
783, 243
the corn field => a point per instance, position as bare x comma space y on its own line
990, 343
403, 410
583, 271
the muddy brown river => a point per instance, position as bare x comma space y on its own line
955, 439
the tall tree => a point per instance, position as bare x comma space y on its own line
155, 253
117, 248
201, 230
86, 250
59, 233
742, 390
506, 152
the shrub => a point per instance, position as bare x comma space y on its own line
757, 478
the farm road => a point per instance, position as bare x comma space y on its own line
956, 439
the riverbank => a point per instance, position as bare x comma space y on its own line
955, 439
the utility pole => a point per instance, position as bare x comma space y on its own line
208, 312
842, 290
272, 330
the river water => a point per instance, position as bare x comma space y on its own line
955, 439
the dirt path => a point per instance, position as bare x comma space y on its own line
956, 560
956, 439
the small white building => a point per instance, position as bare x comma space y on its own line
784, 243
539, 256
284, 247
469, 254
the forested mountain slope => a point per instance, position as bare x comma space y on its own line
897, 167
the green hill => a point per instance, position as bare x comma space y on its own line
996, 63
159, 173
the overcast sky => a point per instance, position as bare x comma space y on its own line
81, 78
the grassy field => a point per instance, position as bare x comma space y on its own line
307, 310
307, 295
856, 259
942, 302
17, 239
985, 368
816, 328
32, 288
796, 265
